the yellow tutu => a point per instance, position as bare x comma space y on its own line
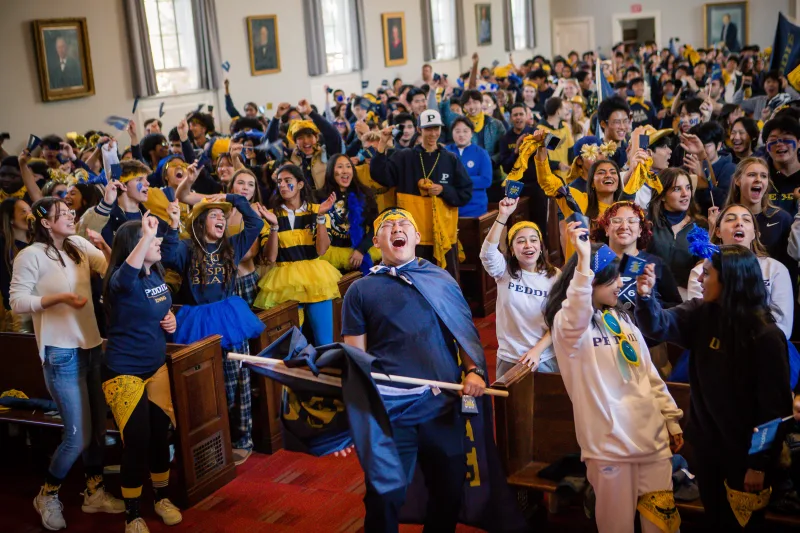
307, 282
339, 257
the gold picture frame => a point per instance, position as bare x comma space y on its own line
394, 28
713, 24
64, 58
265, 57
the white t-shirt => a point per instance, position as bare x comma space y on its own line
779, 290
520, 307
36, 275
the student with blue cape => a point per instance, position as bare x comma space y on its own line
423, 296
739, 375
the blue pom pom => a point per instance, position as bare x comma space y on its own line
699, 244
355, 216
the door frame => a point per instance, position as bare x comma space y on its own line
590, 20
616, 24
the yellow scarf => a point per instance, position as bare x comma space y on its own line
643, 176
526, 150
441, 220
477, 121
667, 103
636, 100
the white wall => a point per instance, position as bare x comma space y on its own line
22, 110
679, 18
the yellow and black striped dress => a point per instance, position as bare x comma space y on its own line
299, 273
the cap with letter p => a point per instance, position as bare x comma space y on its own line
430, 118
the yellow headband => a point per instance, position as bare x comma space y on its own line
394, 214
132, 176
522, 225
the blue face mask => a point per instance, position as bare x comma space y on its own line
669, 95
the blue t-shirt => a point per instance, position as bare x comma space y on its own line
136, 342
403, 331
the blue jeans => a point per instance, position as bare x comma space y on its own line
73, 379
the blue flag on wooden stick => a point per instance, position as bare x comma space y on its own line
764, 435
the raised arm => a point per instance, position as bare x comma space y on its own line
674, 325
493, 261
382, 168
28, 178
574, 318
253, 224
323, 240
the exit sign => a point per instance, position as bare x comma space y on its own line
636, 8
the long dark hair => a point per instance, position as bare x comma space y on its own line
90, 197
543, 264
125, 240
559, 291
199, 246
368, 195
41, 210
743, 305
306, 194
668, 177
10, 250
593, 205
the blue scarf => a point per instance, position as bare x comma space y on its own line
674, 217
355, 217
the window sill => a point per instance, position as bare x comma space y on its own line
161, 96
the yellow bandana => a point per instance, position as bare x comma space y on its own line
477, 121
636, 100
641, 176
744, 504
667, 103
124, 392
298, 125
659, 508
526, 150
394, 214
522, 225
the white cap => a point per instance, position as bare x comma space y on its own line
430, 118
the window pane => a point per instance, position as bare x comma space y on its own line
166, 15
337, 30
173, 44
172, 57
519, 15
443, 16
158, 56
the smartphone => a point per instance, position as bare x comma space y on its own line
262, 109
583, 219
551, 142
329, 90
116, 171
436, 77
210, 109
644, 142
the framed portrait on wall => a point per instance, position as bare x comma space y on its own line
262, 36
726, 25
63, 58
483, 23
394, 39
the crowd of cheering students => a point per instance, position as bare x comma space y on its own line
277, 209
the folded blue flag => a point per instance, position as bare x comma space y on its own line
199, 108
226, 66
135, 105
364, 84
513, 189
33, 142
117, 122
161, 110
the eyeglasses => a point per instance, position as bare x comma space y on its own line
633, 221
623, 122
626, 349
69, 213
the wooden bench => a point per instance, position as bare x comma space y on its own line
535, 427
267, 430
338, 303
478, 287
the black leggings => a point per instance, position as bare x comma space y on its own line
145, 444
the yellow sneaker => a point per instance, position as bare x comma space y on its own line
137, 526
102, 502
170, 514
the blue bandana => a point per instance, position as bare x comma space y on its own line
602, 258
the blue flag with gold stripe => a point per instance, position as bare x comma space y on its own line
786, 51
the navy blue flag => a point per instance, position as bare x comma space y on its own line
764, 435
135, 105
319, 419
226, 66
117, 122
364, 84
161, 110
786, 51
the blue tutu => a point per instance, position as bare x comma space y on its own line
231, 318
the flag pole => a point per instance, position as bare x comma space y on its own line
277, 365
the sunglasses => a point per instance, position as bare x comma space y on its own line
177, 164
626, 349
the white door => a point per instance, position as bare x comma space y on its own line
573, 34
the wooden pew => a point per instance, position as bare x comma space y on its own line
535, 427
203, 445
267, 430
338, 303
479, 288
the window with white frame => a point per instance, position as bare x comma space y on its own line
338, 29
172, 42
443, 20
519, 17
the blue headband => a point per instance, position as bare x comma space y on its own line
602, 258
699, 244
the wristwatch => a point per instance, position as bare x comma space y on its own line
480, 373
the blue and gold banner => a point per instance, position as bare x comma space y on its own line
786, 51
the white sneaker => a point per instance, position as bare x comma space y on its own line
240, 455
137, 526
49, 507
170, 514
102, 502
